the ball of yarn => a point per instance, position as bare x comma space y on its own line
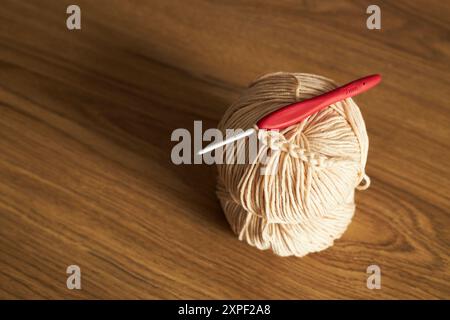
307, 202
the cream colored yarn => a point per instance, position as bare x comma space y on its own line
309, 200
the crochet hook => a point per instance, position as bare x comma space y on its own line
296, 112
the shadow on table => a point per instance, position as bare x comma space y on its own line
152, 99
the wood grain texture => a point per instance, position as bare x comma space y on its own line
85, 124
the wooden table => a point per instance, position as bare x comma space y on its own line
85, 171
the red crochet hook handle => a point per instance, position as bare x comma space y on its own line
296, 112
